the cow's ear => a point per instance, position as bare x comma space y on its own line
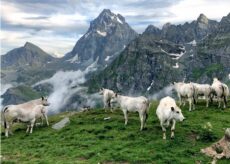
172, 109
43, 98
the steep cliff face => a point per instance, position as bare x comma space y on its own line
146, 65
106, 37
195, 52
196, 30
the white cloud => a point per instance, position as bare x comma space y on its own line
45, 39
188, 10
68, 20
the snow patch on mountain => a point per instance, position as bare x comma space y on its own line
176, 66
74, 59
175, 56
193, 43
101, 33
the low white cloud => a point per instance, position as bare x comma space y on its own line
3, 89
65, 85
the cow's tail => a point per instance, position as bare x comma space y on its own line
3, 115
148, 105
224, 94
194, 94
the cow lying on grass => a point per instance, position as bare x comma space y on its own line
168, 112
133, 104
26, 112
107, 95
221, 90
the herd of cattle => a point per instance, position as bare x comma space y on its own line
167, 111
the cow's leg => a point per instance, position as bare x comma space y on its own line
126, 116
105, 103
163, 129
190, 104
207, 100
219, 101
180, 100
28, 128
7, 127
141, 115
10, 129
47, 121
225, 101
173, 128
32, 125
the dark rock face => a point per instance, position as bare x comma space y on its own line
187, 32
196, 51
106, 37
143, 67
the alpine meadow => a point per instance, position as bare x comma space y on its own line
115, 82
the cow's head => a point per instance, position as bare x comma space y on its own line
45, 101
101, 91
114, 98
177, 114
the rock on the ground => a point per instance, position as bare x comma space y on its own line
61, 124
219, 149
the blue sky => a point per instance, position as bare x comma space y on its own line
56, 25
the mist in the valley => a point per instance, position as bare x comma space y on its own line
66, 84
4, 88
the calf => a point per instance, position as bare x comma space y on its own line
221, 90
167, 112
26, 112
133, 104
185, 91
107, 95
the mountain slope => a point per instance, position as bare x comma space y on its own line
141, 67
28, 55
196, 30
106, 37
26, 65
153, 60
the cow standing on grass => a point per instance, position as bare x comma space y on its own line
168, 112
107, 95
186, 91
203, 90
221, 91
133, 104
26, 112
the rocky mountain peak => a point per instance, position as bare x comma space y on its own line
166, 26
29, 46
202, 19
152, 30
106, 20
106, 37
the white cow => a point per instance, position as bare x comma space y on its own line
26, 112
203, 90
107, 95
221, 91
168, 112
133, 104
185, 91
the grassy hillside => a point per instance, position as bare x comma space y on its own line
91, 139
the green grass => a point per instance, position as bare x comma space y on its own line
91, 139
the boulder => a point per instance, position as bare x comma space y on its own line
220, 149
61, 124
